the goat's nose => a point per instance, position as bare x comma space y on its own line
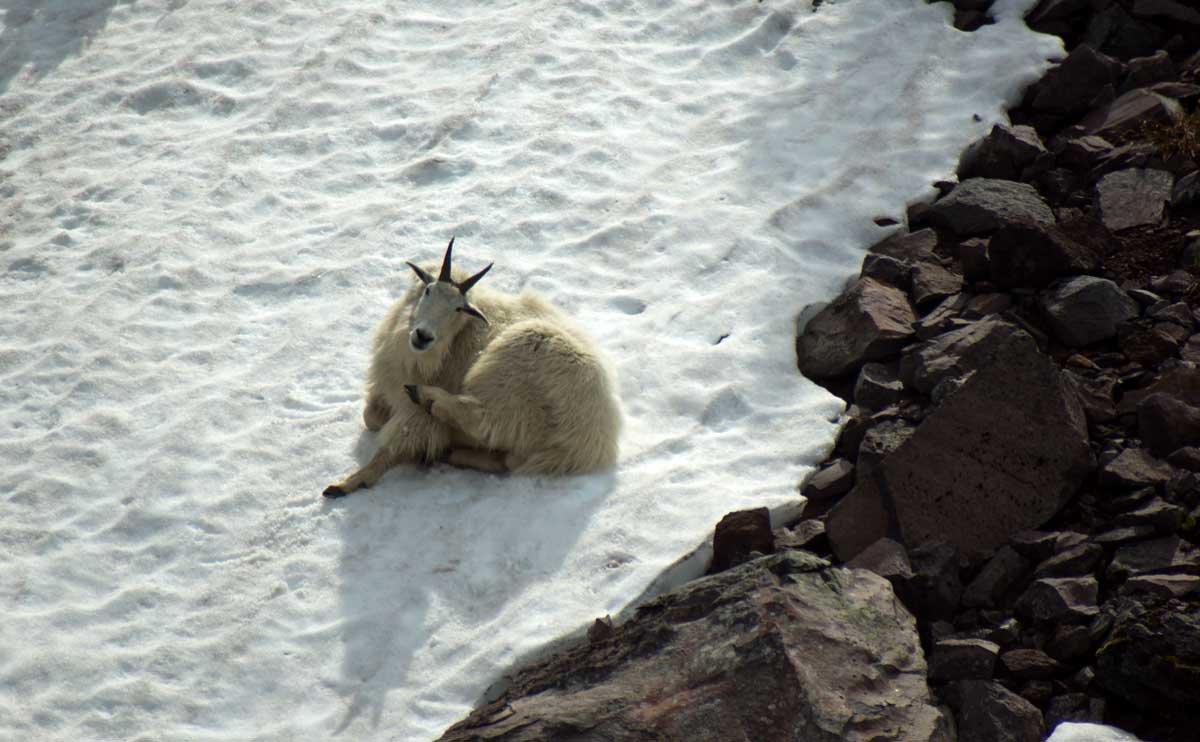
424, 337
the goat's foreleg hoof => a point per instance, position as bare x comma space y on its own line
333, 491
414, 393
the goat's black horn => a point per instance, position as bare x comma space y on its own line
445, 274
466, 285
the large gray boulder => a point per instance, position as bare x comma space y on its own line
868, 322
1002, 452
1086, 309
1134, 197
781, 648
980, 205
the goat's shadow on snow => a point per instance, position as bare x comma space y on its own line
43, 33
442, 550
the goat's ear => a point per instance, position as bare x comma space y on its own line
473, 312
421, 274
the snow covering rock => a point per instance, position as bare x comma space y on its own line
711, 661
1086, 309
1134, 197
868, 322
981, 205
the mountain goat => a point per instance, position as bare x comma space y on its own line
498, 383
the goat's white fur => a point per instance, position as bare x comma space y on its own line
524, 391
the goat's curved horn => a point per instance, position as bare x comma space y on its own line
421, 274
445, 274
466, 285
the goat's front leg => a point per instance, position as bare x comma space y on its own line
376, 413
364, 477
460, 411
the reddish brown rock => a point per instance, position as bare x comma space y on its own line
740, 535
868, 322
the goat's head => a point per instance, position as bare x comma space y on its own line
442, 308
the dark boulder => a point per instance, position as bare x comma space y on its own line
1134, 197
1166, 423
1033, 255
712, 662
986, 711
868, 322
980, 205
1007, 153
1070, 88
1085, 310
741, 535
1131, 111
1151, 658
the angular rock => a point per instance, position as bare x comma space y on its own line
886, 558
934, 591
954, 353
1085, 310
1175, 283
1179, 313
1030, 664
1070, 644
1060, 599
1145, 71
1130, 111
712, 662
1123, 535
808, 534
1158, 514
1187, 457
880, 441
963, 659
740, 535
1114, 31
1186, 191
988, 712
1001, 573
980, 205
1030, 255
999, 455
907, 247
1006, 153
985, 305
1070, 88
1162, 586
1152, 659
1078, 560
833, 480
973, 255
1095, 394
1164, 555
1182, 383
1166, 424
1034, 545
1134, 197
943, 318
931, 282
1083, 153
868, 322
1135, 467
877, 387
1167, 10
1152, 345
887, 270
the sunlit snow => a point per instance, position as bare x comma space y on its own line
205, 208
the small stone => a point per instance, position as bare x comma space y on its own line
1078, 560
1066, 707
1162, 586
988, 712
997, 577
868, 322
1130, 111
833, 480
931, 282
1060, 599
1032, 255
739, 535
973, 255
880, 441
886, 558
1179, 313
808, 534
1083, 153
888, 270
1175, 283
1145, 71
1030, 664
1069, 88
1150, 346
1165, 554
1034, 545
944, 317
1085, 310
1187, 457
1186, 192
962, 659
1158, 514
877, 387
1070, 644
1124, 535
1167, 424
1135, 467
1007, 153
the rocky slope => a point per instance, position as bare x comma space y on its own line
1019, 467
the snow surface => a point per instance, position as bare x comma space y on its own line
205, 210
1070, 731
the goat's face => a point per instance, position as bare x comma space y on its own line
441, 309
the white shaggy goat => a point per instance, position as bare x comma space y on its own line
502, 383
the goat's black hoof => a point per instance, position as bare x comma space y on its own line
334, 491
412, 393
